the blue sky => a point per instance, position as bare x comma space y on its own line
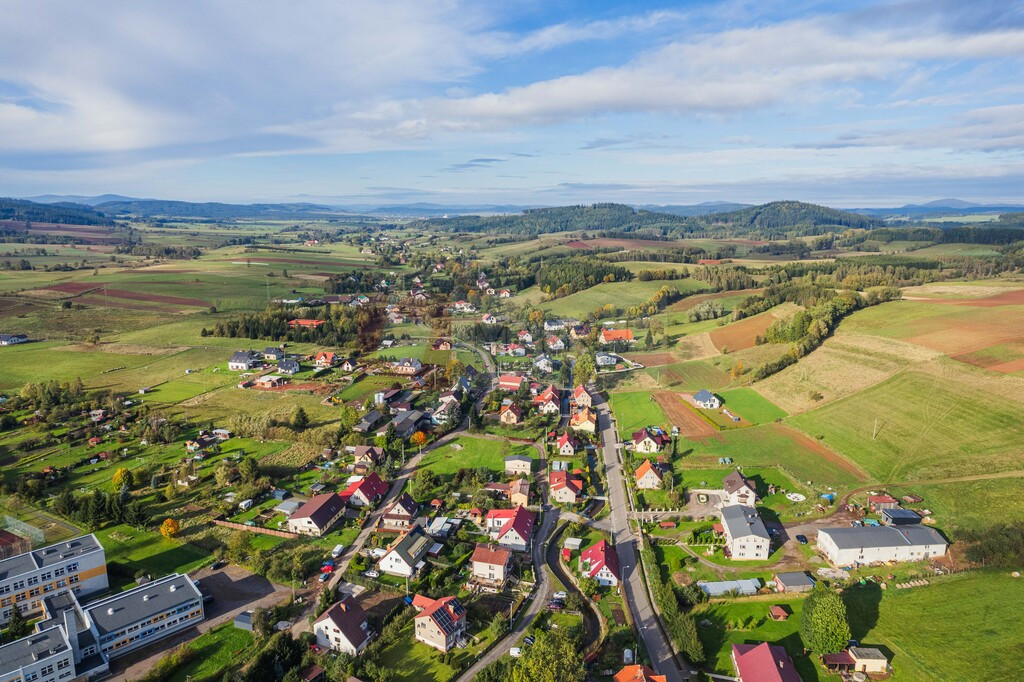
526, 102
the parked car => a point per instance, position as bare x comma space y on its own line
327, 569
802, 539
338, 549
560, 595
324, 577
528, 641
515, 652
218, 565
555, 606
372, 574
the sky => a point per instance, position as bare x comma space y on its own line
539, 102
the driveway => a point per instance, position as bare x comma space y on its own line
234, 590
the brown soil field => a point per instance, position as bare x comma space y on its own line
696, 347
73, 287
576, 244
817, 448
157, 269
652, 359
967, 338
151, 298
742, 334
689, 422
296, 261
691, 301
92, 234
1013, 297
1009, 367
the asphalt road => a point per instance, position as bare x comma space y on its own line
658, 647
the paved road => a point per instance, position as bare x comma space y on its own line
659, 649
540, 597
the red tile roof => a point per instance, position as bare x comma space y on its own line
638, 673
601, 554
763, 663
608, 335
561, 479
370, 486
566, 437
519, 519
491, 554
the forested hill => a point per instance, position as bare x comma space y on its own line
64, 214
775, 220
218, 211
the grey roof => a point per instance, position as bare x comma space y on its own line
245, 356
795, 579
742, 521
883, 536
288, 507
717, 589
288, 366
31, 649
59, 553
369, 420
866, 652
117, 612
519, 458
703, 395
900, 513
413, 546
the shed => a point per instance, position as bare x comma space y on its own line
899, 517
280, 494
573, 543
288, 507
243, 621
778, 613
746, 587
793, 581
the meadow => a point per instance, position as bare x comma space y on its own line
621, 294
475, 453
635, 410
750, 405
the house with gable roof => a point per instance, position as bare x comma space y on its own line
343, 627
511, 528
600, 562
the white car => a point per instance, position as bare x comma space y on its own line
372, 574
337, 551
515, 652
559, 595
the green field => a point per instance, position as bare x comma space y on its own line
635, 410
215, 649
689, 376
621, 294
924, 426
749, 404
475, 453
967, 504
148, 551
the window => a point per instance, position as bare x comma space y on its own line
33, 580
5, 589
63, 664
72, 567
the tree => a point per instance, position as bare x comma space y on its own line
454, 369
17, 626
248, 469
585, 369
588, 586
419, 439
737, 369
499, 624
823, 624
65, 504
300, 420
554, 657
649, 340
170, 528
122, 477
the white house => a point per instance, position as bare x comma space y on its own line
738, 490
647, 476
601, 562
871, 544
706, 399
317, 516
343, 627
745, 535
491, 566
405, 557
243, 360
511, 528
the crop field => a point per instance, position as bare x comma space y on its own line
742, 334
474, 453
689, 376
747, 403
1005, 358
635, 410
966, 505
622, 294
944, 420
957, 250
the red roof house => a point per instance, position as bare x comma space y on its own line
763, 663
601, 562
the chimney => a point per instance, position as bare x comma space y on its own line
110, 611
145, 597
173, 588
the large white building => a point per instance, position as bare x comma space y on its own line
870, 544
745, 535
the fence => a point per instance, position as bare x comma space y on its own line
255, 529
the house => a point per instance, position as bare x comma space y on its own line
324, 359
857, 659
288, 367
555, 325
387, 396
578, 332
585, 420
407, 366
442, 344
608, 336
305, 324
524, 337
463, 307
544, 363
519, 492
511, 414
516, 465
365, 492
565, 487
550, 401
638, 673
515, 350
368, 455
272, 354
649, 440
793, 581
405, 422
368, 422
491, 566
647, 476
440, 623
871, 544
317, 516
489, 319
505, 293
509, 382
738, 490
400, 514
900, 517
555, 344
350, 365
343, 627
271, 381
242, 360
510, 528
405, 557
601, 562
745, 587
879, 502
746, 537
706, 399
763, 662
581, 397
566, 444
12, 339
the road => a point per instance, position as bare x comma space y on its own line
540, 597
659, 649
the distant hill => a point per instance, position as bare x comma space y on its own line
616, 217
217, 211
79, 199
63, 214
705, 208
776, 219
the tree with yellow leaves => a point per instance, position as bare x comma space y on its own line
170, 528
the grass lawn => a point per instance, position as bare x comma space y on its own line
749, 404
215, 649
365, 386
690, 376
621, 294
925, 425
967, 504
408, 659
149, 551
475, 453
635, 410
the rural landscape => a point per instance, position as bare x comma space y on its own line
443, 341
